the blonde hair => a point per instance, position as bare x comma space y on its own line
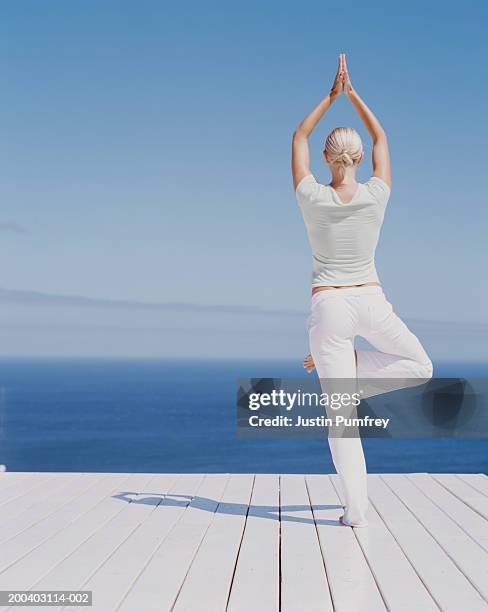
343, 148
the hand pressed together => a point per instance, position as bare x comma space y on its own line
342, 82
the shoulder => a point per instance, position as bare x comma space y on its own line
309, 190
378, 189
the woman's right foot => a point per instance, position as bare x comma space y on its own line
342, 522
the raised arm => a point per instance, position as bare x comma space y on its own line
381, 153
300, 158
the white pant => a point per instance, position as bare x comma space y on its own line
337, 316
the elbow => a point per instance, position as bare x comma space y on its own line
299, 134
428, 369
380, 136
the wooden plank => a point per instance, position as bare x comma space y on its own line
81, 564
351, 582
139, 549
32, 532
41, 560
114, 578
8, 478
466, 493
470, 521
42, 503
468, 557
450, 589
256, 584
20, 494
207, 584
303, 579
400, 586
477, 481
157, 586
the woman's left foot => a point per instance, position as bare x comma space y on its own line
308, 363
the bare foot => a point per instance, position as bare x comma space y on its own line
308, 363
341, 521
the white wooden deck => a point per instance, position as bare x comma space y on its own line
245, 542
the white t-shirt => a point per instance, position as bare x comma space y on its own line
343, 237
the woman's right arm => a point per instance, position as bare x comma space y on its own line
381, 153
300, 161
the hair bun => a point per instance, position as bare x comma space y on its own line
343, 148
344, 158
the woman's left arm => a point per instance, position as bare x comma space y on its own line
300, 159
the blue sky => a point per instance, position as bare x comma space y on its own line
145, 147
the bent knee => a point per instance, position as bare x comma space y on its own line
425, 369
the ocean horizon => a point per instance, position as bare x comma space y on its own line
160, 415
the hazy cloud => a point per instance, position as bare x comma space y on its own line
42, 324
13, 227
36, 298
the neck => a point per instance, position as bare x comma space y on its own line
349, 177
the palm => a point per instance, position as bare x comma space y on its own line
338, 85
346, 81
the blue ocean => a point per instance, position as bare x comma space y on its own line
179, 416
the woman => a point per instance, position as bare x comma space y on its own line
343, 221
